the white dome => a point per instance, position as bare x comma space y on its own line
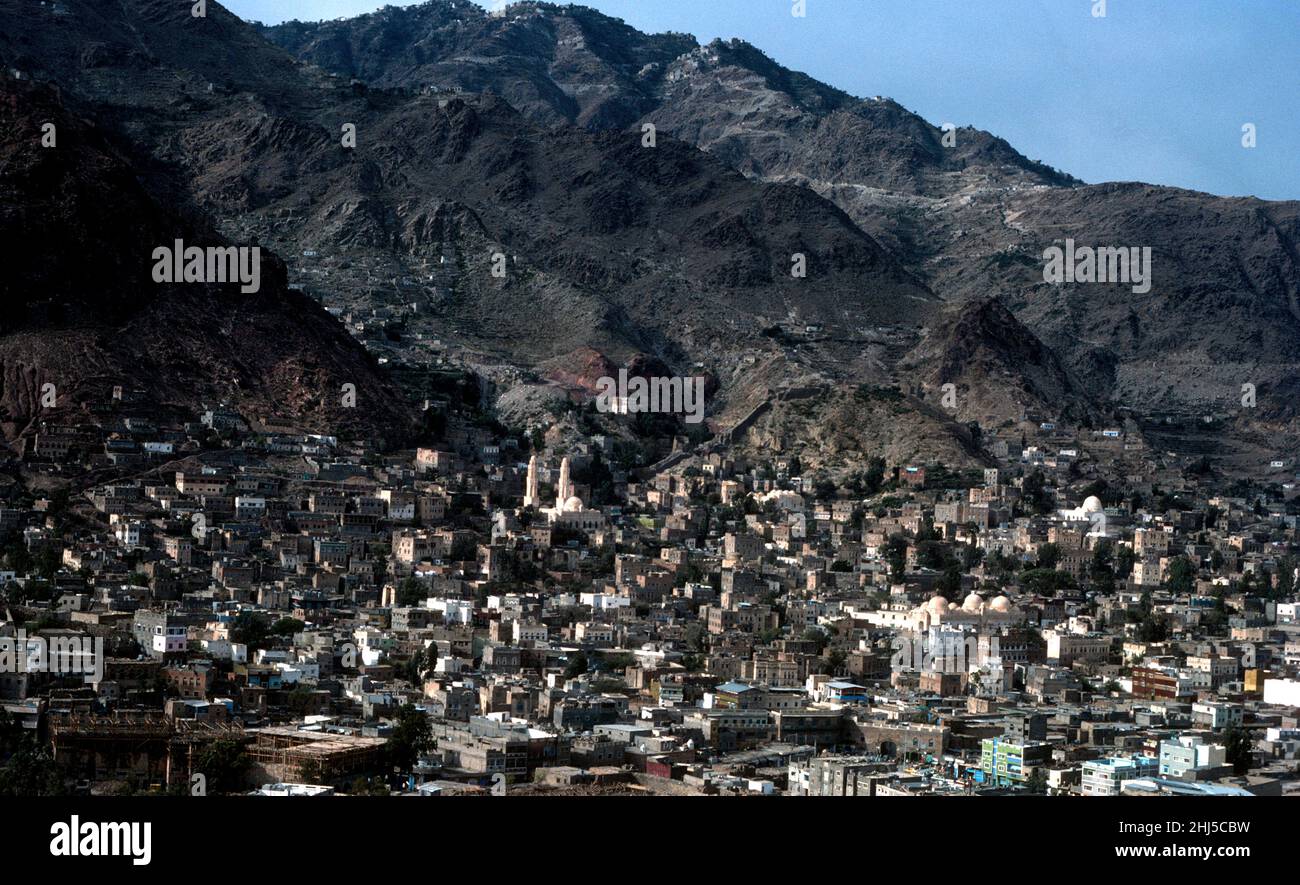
1000, 604
972, 603
573, 504
937, 605
1091, 504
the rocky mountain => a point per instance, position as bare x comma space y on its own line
995, 366
971, 218
84, 314
519, 192
573, 65
455, 222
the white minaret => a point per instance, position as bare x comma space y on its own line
530, 485
564, 490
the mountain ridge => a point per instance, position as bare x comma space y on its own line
528, 185
971, 219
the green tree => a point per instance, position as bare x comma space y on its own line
412, 735
1285, 578
31, 771
577, 665
1151, 628
300, 701
896, 556
412, 591
224, 763
416, 664
1237, 749
1101, 570
599, 478
48, 561
1246, 586
812, 634
287, 627
463, 549
1124, 559
250, 629
1181, 580
1046, 582
873, 478
1035, 492
18, 559
833, 660
1036, 782
949, 585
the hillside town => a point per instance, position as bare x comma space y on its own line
224, 605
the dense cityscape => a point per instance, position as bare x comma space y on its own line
290, 613
646, 419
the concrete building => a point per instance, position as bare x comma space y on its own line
1104, 777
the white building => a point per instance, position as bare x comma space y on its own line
168, 640
129, 533
1189, 754
1104, 777
569, 511
529, 632
250, 508
605, 601
1283, 692
1216, 715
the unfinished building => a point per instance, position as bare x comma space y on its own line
291, 755
148, 747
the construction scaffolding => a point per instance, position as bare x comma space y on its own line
291, 755
143, 745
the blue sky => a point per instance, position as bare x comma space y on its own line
1157, 90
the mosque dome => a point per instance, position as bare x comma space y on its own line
972, 603
1091, 504
1001, 604
937, 605
573, 504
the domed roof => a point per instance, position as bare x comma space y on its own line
572, 504
937, 605
972, 602
1000, 604
1091, 504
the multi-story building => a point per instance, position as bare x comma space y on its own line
1104, 777
1069, 648
1216, 715
202, 484
1184, 758
728, 730
1160, 683
1007, 763
829, 775
159, 634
